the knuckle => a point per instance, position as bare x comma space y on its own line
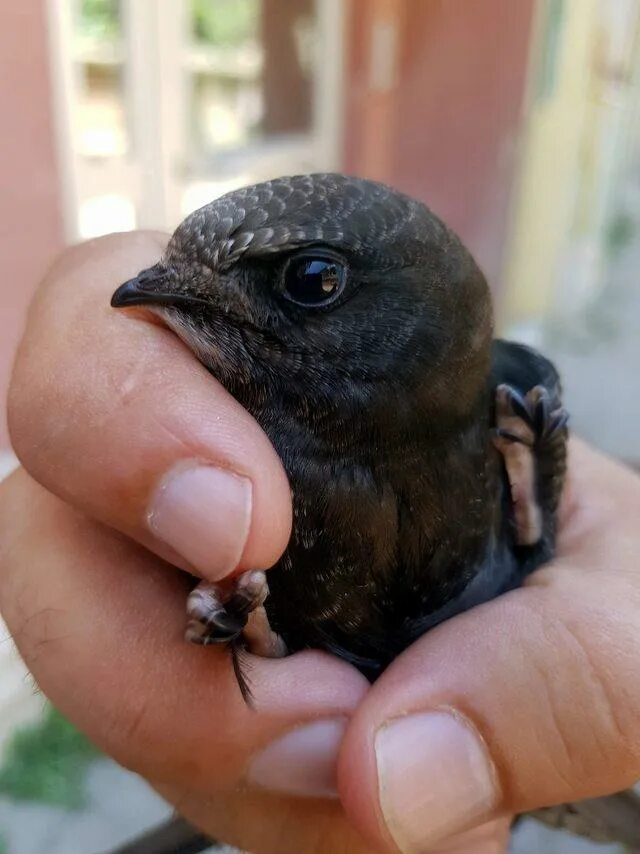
127, 737
597, 734
39, 632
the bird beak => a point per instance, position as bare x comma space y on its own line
150, 287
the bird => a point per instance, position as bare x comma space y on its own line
426, 457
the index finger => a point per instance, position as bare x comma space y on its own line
113, 414
98, 622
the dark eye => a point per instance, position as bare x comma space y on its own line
314, 280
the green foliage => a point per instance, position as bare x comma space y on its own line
4, 848
100, 19
620, 232
47, 762
225, 22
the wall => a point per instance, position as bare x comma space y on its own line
574, 157
443, 124
30, 215
552, 161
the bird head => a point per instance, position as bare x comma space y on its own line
329, 291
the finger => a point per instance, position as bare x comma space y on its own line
598, 509
99, 623
114, 414
490, 838
267, 824
264, 823
528, 701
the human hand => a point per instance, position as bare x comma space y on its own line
102, 408
530, 700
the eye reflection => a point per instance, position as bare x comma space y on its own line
313, 280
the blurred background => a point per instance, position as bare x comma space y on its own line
517, 121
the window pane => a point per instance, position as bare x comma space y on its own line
225, 23
250, 91
100, 116
104, 214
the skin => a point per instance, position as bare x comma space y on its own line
549, 674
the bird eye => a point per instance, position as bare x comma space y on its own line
314, 280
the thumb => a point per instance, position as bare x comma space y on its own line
528, 701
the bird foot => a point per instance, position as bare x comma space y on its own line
527, 419
231, 610
523, 423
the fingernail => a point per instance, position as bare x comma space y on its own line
302, 762
203, 513
435, 778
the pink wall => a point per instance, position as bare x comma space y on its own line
447, 130
30, 215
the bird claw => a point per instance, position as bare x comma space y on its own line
528, 419
523, 424
225, 612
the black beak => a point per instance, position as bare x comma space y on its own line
150, 287
129, 294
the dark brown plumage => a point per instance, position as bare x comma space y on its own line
379, 403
